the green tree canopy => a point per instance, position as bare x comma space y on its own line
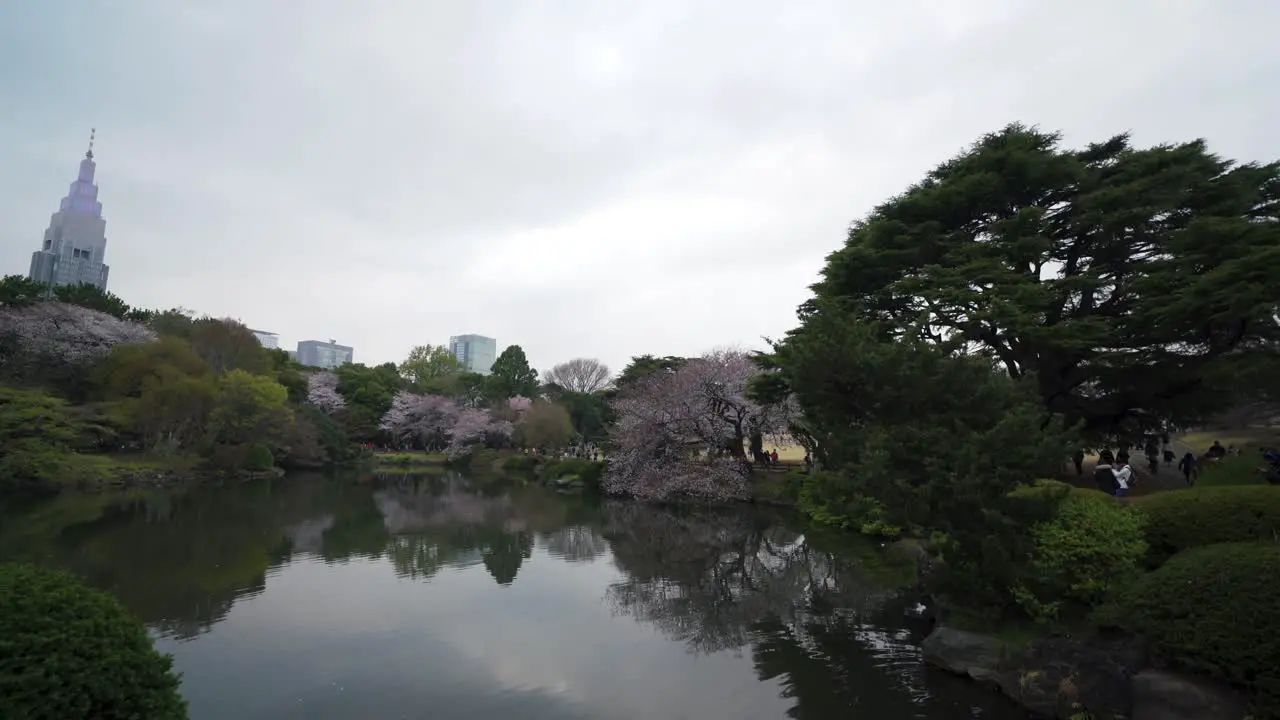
642, 366
428, 363
1115, 278
92, 297
228, 345
368, 392
250, 408
511, 375
18, 291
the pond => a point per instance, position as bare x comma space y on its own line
424, 597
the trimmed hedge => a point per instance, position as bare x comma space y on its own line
1090, 545
1214, 610
1178, 520
69, 651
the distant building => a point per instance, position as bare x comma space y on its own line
327, 355
293, 355
475, 352
75, 245
269, 340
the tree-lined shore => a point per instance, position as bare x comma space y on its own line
1022, 303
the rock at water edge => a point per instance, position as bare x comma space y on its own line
962, 652
1162, 695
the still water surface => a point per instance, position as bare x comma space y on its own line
317, 598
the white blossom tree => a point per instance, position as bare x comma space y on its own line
475, 427
322, 391
424, 421
66, 333
686, 432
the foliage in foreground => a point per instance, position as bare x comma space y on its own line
1178, 520
1214, 610
924, 440
1090, 547
69, 651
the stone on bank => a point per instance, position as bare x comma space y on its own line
1069, 679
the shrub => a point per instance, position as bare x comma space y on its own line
1214, 610
520, 463
1091, 545
259, 458
830, 499
588, 471
69, 651
1181, 519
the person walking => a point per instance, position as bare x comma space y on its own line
1103, 476
1078, 459
1188, 467
1124, 477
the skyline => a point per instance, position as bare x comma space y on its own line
581, 181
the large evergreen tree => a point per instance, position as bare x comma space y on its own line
511, 375
1122, 281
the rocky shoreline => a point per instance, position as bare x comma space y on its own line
1097, 677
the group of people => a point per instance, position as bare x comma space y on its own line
1114, 475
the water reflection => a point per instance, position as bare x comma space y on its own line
412, 595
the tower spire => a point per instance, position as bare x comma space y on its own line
92, 133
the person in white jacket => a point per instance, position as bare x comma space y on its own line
1124, 477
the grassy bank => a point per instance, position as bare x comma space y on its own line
410, 459
86, 471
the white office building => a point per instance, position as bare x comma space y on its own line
268, 340
475, 352
327, 355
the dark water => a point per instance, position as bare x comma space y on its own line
426, 598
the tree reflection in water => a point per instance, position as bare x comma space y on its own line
817, 618
812, 612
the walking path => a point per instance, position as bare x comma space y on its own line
1167, 476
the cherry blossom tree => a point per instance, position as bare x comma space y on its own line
519, 403
425, 421
686, 432
322, 391
66, 333
475, 427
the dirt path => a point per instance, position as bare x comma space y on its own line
1166, 478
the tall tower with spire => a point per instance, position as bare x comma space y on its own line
75, 245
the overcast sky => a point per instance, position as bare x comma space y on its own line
580, 177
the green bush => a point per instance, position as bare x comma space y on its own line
69, 651
1214, 610
588, 471
259, 458
520, 463
1091, 545
830, 499
1181, 519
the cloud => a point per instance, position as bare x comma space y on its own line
580, 178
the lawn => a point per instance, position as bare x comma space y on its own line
1245, 438
408, 459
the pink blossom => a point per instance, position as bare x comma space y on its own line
420, 420
519, 403
475, 427
68, 333
322, 391
685, 433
